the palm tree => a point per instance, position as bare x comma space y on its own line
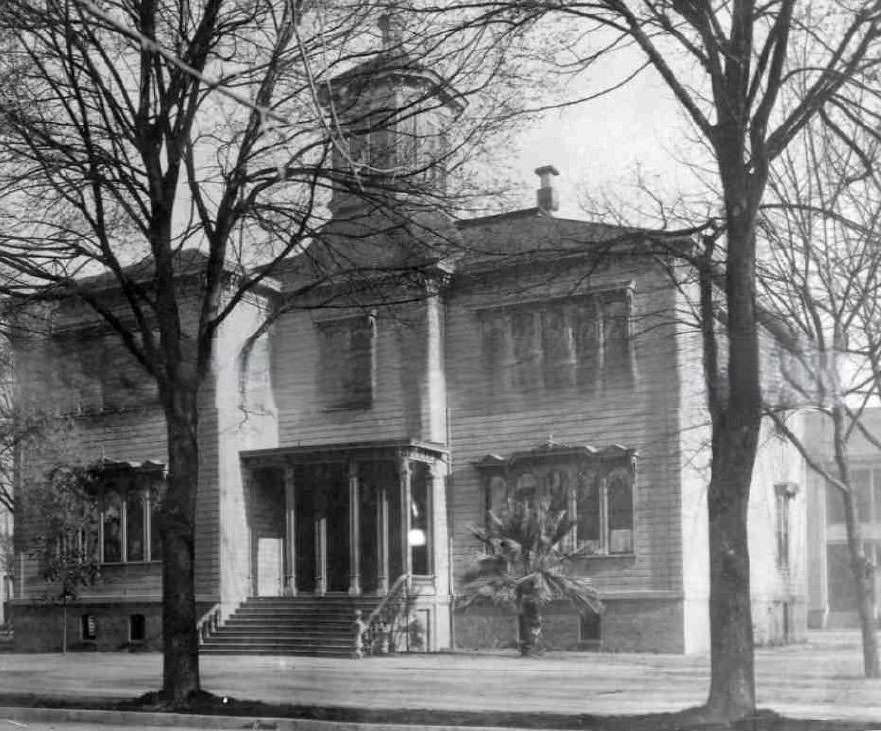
523, 567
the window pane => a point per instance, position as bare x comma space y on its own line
134, 526
346, 362
498, 495
498, 358
860, 482
782, 530
558, 345
419, 531
586, 342
834, 505
526, 489
620, 498
155, 537
527, 350
616, 335
557, 491
112, 526
876, 495
588, 511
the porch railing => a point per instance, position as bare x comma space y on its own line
208, 624
386, 629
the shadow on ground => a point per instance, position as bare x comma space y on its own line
208, 704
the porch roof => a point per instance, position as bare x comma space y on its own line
316, 452
556, 450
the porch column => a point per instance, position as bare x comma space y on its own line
382, 541
248, 487
290, 537
439, 555
320, 556
354, 531
404, 477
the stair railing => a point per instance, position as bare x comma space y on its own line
387, 627
208, 624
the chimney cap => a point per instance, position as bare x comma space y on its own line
546, 170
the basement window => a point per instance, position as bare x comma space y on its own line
137, 628
88, 627
589, 631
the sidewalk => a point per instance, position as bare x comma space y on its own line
821, 679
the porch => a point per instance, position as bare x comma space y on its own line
349, 521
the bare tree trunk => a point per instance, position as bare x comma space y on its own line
64, 630
180, 642
861, 568
736, 412
732, 685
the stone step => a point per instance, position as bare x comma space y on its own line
290, 626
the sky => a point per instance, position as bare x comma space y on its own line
602, 144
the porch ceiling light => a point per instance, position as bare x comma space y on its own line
416, 537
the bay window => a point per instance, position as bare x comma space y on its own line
594, 488
129, 524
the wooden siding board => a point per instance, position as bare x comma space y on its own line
640, 415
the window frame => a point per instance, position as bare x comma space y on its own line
583, 360
784, 493
149, 486
351, 399
600, 473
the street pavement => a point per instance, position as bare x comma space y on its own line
818, 679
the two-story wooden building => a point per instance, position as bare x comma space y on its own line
535, 357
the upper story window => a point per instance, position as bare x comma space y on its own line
346, 362
93, 373
596, 494
866, 486
556, 344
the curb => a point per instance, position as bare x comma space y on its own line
138, 719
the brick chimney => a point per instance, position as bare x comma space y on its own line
546, 195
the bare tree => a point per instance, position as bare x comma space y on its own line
131, 129
821, 275
729, 65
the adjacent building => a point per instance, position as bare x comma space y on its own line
831, 595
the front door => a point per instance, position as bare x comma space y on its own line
336, 505
270, 562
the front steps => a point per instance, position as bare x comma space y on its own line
308, 625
